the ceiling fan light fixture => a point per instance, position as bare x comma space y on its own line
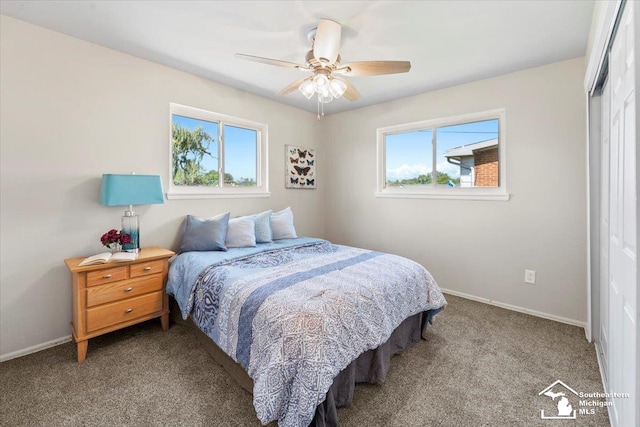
337, 88
307, 88
325, 97
321, 81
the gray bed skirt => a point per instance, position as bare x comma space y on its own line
370, 367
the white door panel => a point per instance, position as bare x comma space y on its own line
603, 339
615, 347
622, 251
629, 349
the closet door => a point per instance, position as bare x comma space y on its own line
622, 224
603, 332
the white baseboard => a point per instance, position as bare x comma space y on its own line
35, 348
516, 308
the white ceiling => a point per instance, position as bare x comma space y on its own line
447, 42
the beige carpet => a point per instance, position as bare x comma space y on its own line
481, 366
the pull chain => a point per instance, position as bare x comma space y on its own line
320, 109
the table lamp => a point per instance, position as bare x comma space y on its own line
129, 190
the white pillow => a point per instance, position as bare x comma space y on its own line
241, 232
282, 225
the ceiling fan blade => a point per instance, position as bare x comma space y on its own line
270, 61
293, 86
373, 68
326, 45
351, 93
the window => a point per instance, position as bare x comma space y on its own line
454, 158
213, 155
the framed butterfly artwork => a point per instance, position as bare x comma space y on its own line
301, 167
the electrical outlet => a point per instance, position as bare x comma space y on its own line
530, 277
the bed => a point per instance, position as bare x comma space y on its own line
305, 319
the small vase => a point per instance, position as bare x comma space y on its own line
115, 248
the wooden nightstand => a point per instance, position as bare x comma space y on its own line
111, 296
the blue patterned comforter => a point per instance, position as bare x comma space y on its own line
294, 313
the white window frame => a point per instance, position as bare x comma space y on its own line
439, 192
261, 189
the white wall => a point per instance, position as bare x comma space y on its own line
481, 248
71, 111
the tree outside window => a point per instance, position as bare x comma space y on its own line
206, 146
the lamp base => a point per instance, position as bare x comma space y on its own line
131, 226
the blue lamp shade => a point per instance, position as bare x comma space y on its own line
129, 190
124, 190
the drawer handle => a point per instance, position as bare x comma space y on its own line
128, 289
147, 269
107, 276
128, 310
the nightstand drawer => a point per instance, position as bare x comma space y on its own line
106, 275
123, 289
145, 268
122, 311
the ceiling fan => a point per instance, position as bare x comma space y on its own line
323, 62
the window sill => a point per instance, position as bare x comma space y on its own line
221, 195
493, 196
